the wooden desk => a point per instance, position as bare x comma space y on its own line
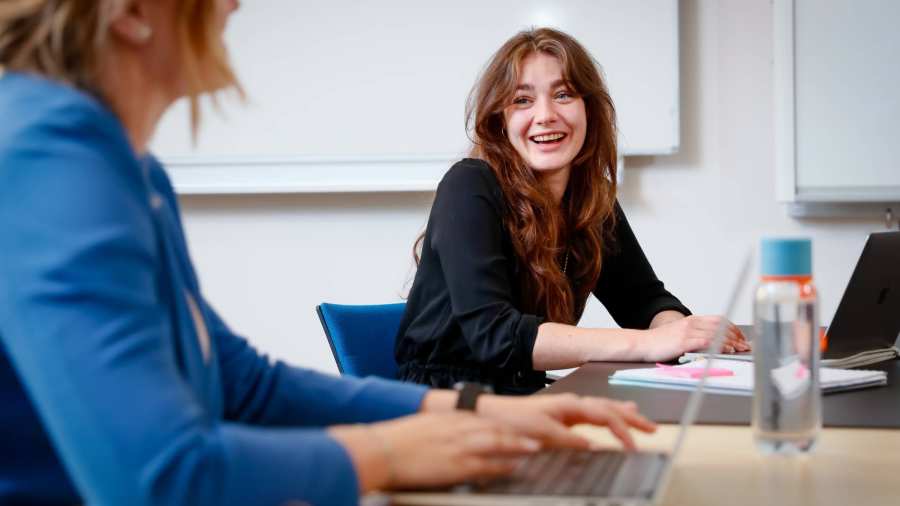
720, 466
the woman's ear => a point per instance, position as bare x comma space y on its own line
130, 23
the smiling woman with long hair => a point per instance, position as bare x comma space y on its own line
119, 383
521, 233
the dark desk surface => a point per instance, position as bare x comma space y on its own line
877, 407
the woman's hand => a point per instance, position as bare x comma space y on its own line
547, 417
432, 450
692, 333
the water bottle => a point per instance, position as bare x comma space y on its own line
787, 401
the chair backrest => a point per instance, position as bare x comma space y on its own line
362, 337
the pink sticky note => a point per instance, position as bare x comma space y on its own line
693, 372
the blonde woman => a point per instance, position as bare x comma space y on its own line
119, 383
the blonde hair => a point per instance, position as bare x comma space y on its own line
63, 40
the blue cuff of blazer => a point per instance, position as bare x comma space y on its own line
277, 466
386, 399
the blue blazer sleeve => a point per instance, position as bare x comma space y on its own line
93, 344
260, 392
257, 391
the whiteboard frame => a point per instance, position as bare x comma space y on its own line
803, 204
227, 175
274, 175
211, 175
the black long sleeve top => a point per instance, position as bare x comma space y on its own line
463, 320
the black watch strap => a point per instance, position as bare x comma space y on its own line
468, 394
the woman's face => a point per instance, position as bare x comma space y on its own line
546, 122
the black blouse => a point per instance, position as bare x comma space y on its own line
463, 320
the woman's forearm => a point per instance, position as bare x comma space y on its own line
560, 346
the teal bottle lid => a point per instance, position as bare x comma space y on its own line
786, 257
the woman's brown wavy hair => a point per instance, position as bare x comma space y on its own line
543, 231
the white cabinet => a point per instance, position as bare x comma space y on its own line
837, 105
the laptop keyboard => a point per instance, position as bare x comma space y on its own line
560, 473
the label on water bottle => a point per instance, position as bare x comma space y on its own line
792, 379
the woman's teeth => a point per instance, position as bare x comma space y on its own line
548, 137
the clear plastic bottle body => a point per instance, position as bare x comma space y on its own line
787, 399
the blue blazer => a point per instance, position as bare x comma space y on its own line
116, 375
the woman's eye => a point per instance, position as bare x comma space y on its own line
564, 95
521, 101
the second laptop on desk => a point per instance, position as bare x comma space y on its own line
866, 326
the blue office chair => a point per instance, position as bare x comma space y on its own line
362, 337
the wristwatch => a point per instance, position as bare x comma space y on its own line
468, 394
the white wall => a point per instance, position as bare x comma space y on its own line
266, 261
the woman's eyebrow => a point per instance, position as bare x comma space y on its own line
553, 85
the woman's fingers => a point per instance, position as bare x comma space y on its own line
736, 339
743, 343
486, 466
621, 420
618, 416
637, 420
496, 440
557, 434
551, 426
708, 327
573, 409
696, 344
620, 429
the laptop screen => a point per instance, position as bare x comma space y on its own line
868, 316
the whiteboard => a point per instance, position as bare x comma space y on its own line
838, 106
370, 96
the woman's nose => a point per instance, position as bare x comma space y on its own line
544, 112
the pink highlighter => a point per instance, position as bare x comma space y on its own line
693, 372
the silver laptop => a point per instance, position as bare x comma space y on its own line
582, 477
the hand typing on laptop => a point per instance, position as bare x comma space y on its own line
548, 417
443, 447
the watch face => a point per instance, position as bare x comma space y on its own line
468, 395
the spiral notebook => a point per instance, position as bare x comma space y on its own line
860, 359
